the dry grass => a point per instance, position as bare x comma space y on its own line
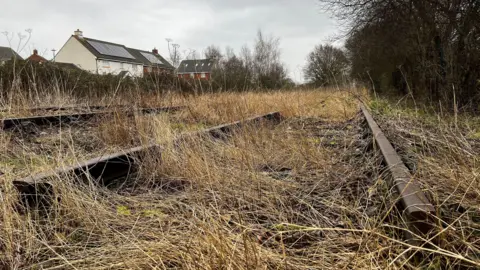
444, 154
306, 194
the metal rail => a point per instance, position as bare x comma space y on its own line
10, 123
103, 170
69, 107
416, 207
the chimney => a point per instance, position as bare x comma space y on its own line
78, 33
35, 52
155, 51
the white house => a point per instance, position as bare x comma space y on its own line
103, 57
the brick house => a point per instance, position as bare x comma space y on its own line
200, 69
35, 57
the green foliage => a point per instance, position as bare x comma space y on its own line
380, 106
314, 140
122, 210
474, 135
152, 213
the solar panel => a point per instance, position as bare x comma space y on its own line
152, 58
110, 49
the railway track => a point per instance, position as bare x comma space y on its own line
70, 107
105, 169
12, 123
415, 207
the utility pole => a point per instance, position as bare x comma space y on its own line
175, 54
169, 40
53, 51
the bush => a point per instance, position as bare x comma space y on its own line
28, 78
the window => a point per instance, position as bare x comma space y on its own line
122, 65
105, 63
135, 67
203, 75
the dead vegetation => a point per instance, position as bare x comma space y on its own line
443, 153
305, 194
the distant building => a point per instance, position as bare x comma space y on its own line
152, 61
103, 57
35, 57
7, 53
196, 69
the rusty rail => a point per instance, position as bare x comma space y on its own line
416, 207
10, 123
69, 107
103, 170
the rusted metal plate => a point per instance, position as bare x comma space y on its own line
103, 170
11, 123
96, 167
417, 207
161, 109
220, 130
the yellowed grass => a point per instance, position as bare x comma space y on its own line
305, 194
445, 161
101, 219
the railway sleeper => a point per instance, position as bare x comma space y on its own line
19, 123
102, 171
109, 169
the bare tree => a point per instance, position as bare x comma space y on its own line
174, 53
191, 54
269, 72
325, 65
257, 68
213, 52
426, 48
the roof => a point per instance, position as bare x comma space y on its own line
164, 61
6, 53
37, 58
138, 56
196, 66
141, 55
85, 42
66, 66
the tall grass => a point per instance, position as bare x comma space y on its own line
305, 194
443, 152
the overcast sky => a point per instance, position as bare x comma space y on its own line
194, 24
